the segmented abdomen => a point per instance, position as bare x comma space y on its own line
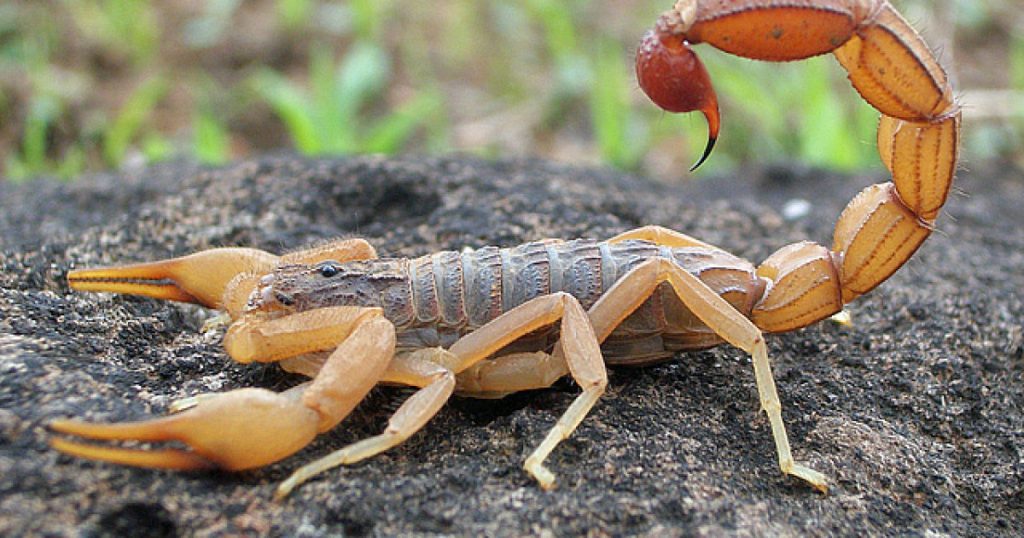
454, 293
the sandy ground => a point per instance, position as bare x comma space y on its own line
916, 412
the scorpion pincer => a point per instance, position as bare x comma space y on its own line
493, 321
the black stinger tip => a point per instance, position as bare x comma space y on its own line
707, 153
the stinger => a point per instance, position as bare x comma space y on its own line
675, 79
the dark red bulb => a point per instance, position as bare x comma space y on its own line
675, 79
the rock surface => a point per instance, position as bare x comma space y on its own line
916, 412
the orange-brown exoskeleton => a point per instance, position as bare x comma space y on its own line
493, 321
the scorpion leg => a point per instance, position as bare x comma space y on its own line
436, 385
634, 288
577, 344
249, 428
662, 236
501, 376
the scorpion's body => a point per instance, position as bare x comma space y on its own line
493, 321
434, 300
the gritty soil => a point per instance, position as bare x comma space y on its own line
916, 412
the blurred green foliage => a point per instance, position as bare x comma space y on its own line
123, 27
328, 119
93, 84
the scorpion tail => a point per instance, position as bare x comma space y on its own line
675, 79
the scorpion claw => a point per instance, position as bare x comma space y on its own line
148, 279
178, 460
198, 278
237, 430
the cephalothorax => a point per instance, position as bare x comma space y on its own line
493, 321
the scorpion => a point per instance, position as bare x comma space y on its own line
493, 321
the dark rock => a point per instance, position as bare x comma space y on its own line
916, 412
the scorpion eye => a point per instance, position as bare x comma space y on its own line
329, 269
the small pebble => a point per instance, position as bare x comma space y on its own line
796, 209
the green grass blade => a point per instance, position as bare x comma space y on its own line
133, 26
131, 117
364, 73
42, 111
368, 17
391, 133
156, 148
556, 16
211, 140
336, 127
291, 107
293, 14
1017, 62
72, 163
363, 76
211, 24
825, 135
609, 107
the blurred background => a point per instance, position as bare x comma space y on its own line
90, 85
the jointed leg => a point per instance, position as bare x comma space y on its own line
249, 428
576, 343
660, 235
498, 377
586, 364
633, 289
301, 343
308, 365
260, 340
437, 384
